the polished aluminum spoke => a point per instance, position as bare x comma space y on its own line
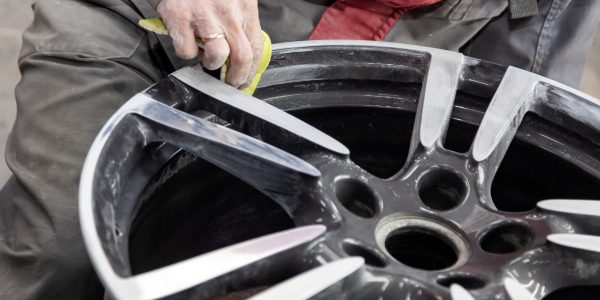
516, 291
267, 168
576, 241
503, 117
459, 293
437, 99
313, 282
204, 268
571, 206
241, 109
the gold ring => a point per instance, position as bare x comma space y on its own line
210, 37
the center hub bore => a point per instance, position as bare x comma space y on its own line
421, 242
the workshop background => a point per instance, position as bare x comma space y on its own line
16, 15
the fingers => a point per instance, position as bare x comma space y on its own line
216, 51
180, 29
256, 38
236, 19
184, 42
241, 57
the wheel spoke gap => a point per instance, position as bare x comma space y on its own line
311, 283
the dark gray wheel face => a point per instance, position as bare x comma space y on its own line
426, 202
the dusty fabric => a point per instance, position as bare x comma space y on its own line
447, 25
75, 74
555, 43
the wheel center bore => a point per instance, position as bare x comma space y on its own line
421, 242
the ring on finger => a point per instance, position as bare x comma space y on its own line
210, 37
205, 39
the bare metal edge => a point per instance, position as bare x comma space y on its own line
201, 81
459, 293
572, 206
516, 291
437, 97
507, 108
576, 241
311, 283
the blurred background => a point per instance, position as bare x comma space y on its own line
16, 15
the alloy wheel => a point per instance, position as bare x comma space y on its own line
361, 203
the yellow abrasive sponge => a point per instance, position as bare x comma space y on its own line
157, 26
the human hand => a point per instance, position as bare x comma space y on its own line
229, 28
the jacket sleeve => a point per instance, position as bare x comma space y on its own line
555, 43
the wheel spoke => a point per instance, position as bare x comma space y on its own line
204, 268
459, 293
578, 207
576, 241
503, 117
273, 171
249, 112
437, 100
313, 282
516, 291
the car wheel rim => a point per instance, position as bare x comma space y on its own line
431, 230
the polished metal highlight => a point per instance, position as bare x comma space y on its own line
459, 293
576, 241
504, 115
437, 98
516, 291
572, 206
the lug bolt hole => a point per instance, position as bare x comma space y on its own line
371, 257
507, 238
441, 189
357, 197
466, 281
420, 248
